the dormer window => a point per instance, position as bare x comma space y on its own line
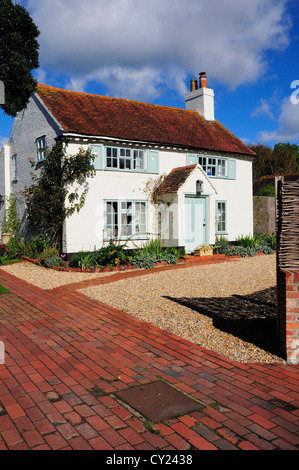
41, 148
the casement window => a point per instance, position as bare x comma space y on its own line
125, 159
214, 166
124, 219
14, 168
119, 158
221, 217
41, 148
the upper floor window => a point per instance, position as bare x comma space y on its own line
14, 169
125, 159
41, 148
214, 166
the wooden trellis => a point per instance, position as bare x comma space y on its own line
287, 221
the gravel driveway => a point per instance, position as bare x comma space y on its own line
229, 308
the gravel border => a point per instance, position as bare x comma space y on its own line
47, 279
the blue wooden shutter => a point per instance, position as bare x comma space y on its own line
98, 151
231, 174
153, 161
191, 159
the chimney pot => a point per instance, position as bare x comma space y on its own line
203, 80
193, 84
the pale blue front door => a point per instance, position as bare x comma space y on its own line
195, 222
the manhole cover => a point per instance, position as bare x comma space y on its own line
158, 401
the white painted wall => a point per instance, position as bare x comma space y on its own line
84, 230
237, 194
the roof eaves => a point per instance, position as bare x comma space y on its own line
40, 100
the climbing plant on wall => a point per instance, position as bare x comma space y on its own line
60, 186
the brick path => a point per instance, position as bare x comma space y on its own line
66, 355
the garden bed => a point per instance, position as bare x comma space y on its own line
114, 257
126, 267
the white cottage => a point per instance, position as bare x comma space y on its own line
202, 173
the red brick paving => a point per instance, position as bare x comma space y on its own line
67, 355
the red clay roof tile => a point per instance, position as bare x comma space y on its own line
175, 179
94, 115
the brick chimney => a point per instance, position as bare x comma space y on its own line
201, 99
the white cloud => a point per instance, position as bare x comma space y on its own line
288, 125
264, 109
137, 47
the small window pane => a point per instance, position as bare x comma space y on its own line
139, 159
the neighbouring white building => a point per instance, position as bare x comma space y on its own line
204, 171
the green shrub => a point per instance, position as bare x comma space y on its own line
15, 248
144, 260
113, 255
147, 258
11, 224
247, 251
37, 245
221, 245
83, 260
268, 240
47, 256
154, 248
267, 190
247, 241
177, 252
53, 261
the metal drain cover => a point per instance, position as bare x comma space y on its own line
158, 401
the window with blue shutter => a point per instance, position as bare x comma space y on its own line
128, 159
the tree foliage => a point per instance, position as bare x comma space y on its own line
59, 189
283, 159
18, 56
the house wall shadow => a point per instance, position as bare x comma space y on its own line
252, 318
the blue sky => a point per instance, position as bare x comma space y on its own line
148, 50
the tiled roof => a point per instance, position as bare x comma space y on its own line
175, 179
94, 115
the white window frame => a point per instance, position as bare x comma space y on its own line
214, 166
117, 212
125, 159
14, 168
221, 223
41, 148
